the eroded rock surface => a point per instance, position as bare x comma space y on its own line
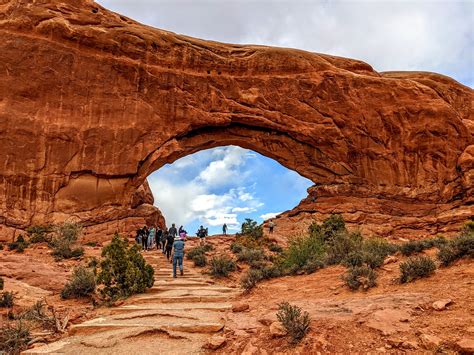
92, 102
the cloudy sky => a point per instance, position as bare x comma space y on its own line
229, 184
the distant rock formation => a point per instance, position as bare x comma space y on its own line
92, 102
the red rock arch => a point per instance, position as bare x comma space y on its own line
92, 102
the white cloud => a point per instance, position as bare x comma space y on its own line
269, 215
183, 201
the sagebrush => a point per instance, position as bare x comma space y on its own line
416, 267
82, 284
360, 277
221, 266
294, 320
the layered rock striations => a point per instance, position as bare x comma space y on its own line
92, 102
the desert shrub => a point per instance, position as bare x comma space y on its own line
313, 265
341, 244
360, 277
412, 247
199, 250
39, 234
249, 255
82, 284
468, 227
236, 247
123, 270
275, 248
2, 283
459, 247
300, 251
91, 244
20, 244
270, 271
221, 266
65, 238
7, 299
251, 278
329, 228
39, 313
252, 229
14, 337
200, 260
416, 267
296, 322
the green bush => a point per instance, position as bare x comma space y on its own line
313, 265
39, 234
360, 277
275, 248
416, 267
329, 228
412, 247
236, 247
82, 284
191, 253
2, 283
270, 271
123, 270
296, 322
341, 244
200, 260
250, 255
252, 229
65, 238
14, 337
459, 247
221, 266
20, 244
7, 299
302, 250
251, 278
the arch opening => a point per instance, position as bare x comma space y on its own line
225, 184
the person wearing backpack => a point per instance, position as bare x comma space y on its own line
178, 255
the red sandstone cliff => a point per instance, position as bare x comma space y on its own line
92, 102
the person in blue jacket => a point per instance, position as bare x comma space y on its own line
178, 255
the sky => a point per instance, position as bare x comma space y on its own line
230, 184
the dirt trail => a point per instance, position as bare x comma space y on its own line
174, 316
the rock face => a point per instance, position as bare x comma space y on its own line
92, 102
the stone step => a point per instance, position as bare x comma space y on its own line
180, 299
214, 306
159, 289
201, 327
180, 283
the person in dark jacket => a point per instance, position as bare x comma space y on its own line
169, 246
178, 255
145, 238
158, 238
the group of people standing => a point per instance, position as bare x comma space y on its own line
165, 240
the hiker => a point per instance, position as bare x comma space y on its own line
183, 234
201, 233
224, 229
144, 235
271, 225
169, 245
180, 230
138, 237
178, 254
151, 237
164, 238
158, 237
173, 231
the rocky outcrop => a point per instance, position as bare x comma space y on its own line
92, 102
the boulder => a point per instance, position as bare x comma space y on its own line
430, 342
215, 342
441, 304
240, 307
277, 330
465, 345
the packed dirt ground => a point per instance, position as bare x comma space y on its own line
434, 314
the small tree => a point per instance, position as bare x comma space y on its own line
251, 228
66, 236
123, 270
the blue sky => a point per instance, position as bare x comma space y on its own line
230, 184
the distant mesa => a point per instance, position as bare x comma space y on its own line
92, 102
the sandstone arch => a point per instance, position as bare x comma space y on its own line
91, 102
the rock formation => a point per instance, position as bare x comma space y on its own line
92, 102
